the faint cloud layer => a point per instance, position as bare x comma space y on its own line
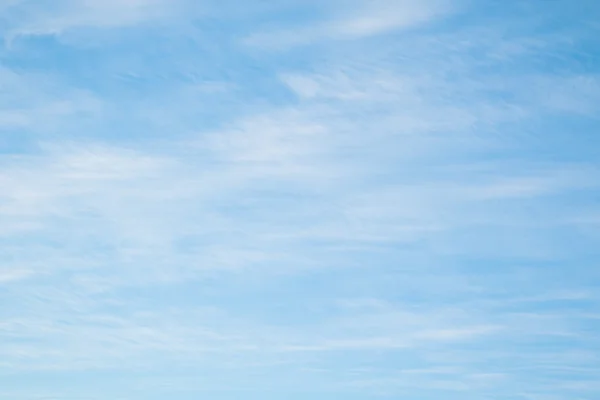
386, 202
58, 17
355, 19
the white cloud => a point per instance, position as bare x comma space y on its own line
388, 172
39, 103
58, 17
355, 19
13, 274
379, 16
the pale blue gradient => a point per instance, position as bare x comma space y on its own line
299, 199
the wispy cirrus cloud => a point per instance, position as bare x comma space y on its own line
394, 205
56, 18
353, 20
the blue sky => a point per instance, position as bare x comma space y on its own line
299, 199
